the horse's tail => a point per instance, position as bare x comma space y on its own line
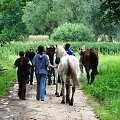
94, 61
72, 72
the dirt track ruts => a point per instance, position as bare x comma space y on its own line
11, 108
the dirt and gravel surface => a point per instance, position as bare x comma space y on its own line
11, 108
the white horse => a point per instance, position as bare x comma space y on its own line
69, 71
57, 77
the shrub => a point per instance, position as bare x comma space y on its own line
72, 32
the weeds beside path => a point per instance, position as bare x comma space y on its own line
50, 109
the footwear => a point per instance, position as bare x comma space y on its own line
23, 99
42, 100
28, 81
31, 83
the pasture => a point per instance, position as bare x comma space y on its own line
105, 89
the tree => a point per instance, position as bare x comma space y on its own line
111, 11
13, 27
42, 16
5, 3
94, 17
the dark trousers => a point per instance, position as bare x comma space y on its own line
22, 79
31, 75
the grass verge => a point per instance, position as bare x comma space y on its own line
106, 88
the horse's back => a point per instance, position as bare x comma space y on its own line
94, 58
69, 60
90, 59
75, 63
86, 58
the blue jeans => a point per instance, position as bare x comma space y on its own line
41, 86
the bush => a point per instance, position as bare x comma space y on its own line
72, 32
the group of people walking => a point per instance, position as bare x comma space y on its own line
39, 63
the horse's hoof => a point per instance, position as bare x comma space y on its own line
63, 102
71, 103
67, 101
91, 83
49, 83
54, 83
61, 94
57, 94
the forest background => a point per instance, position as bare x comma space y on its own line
94, 23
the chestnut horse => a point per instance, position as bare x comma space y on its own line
89, 59
69, 72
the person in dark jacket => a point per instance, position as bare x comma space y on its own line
22, 64
68, 50
30, 54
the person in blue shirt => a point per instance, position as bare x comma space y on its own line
41, 63
68, 50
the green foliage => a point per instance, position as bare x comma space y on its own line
106, 87
9, 74
5, 3
111, 10
102, 47
105, 48
42, 16
5, 80
72, 32
13, 25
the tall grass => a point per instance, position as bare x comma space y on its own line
106, 87
9, 74
6, 80
104, 48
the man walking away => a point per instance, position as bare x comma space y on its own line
30, 54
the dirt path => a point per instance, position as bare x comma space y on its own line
11, 108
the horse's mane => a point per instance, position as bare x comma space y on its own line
61, 51
61, 48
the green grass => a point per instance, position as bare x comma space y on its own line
8, 75
106, 87
5, 80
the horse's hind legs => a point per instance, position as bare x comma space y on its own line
67, 92
49, 79
81, 67
88, 77
57, 94
54, 78
92, 77
73, 91
63, 92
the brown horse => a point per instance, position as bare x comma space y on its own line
50, 51
89, 59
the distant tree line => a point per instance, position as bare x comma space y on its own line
19, 18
